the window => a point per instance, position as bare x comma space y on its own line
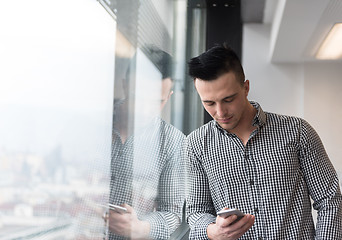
56, 100
86, 111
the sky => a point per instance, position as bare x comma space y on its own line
56, 74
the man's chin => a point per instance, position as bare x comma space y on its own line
227, 126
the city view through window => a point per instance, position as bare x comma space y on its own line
56, 95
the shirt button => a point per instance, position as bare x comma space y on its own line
259, 238
251, 182
256, 210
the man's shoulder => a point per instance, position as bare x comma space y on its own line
282, 118
202, 131
285, 122
170, 131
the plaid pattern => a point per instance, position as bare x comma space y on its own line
273, 177
148, 174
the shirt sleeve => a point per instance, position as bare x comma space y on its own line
322, 182
171, 196
199, 207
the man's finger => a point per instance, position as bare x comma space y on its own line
243, 225
128, 207
228, 220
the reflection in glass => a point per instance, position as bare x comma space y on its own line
147, 166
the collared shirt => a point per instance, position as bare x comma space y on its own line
147, 173
272, 177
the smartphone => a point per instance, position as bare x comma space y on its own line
232, 211
114, 207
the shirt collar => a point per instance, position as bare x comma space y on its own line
260, 116
259, 119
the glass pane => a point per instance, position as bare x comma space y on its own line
56, 88
147, 168
86, 102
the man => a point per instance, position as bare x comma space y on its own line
147, 174
266, 165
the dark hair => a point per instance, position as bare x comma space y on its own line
162, 60
215, 62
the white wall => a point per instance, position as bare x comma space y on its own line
309, 90
323, 99
277, 87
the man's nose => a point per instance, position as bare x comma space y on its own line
221, 111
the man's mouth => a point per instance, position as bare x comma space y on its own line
225, 120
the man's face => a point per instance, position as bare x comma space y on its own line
150, 98
224, 99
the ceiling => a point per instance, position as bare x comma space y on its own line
299, 27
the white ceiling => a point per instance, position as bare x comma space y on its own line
299, 27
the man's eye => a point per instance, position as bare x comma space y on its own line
209, 103
228, 101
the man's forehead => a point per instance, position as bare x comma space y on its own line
218, 89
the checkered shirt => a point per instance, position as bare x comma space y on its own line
148, 173
273, 177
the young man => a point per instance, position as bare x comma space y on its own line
264, 164
147, 168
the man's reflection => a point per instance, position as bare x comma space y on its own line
147, 166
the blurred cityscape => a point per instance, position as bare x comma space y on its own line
47, 197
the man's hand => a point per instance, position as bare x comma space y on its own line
128, 224
226, 229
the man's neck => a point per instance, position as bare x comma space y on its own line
245, 128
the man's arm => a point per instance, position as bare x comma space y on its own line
199, 207
171, 191
323, 184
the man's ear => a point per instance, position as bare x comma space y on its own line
166, 100
246, 87
168, 97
